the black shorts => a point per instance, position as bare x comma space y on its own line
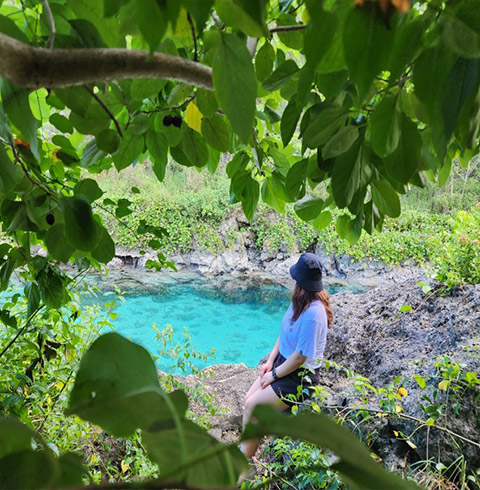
298, 383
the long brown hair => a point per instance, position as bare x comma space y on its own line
302, 298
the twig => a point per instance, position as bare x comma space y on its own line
51, 23
405, 416
125, 101
192, 27
173, 108
296, 27
105, 108
17, 159
276, 475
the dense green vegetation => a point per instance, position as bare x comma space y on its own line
331, 112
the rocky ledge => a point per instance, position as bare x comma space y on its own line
373, 337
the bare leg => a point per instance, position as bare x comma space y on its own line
264, 396
255, 387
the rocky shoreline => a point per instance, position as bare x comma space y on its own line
374, 339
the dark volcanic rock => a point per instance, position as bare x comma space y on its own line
373, 338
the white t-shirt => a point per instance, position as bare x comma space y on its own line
307, 335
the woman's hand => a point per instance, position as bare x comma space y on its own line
267, 367
267, 379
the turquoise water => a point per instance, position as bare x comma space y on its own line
240, 321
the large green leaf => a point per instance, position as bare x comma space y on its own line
292, 39
105, 250
158, 149
201, 462
129, 150
355, 463
88, 188
17, 107
340, 142
309, 208
289, 121
117, 388
349, 174
235, 84
22, 467
323, 125
215, 132
385, 198
295, 180
461, 28
57, 247
10, 174
280, 76
246, 15
406, 159
264, 61
385, 126
194, 147
367, 43
81, 230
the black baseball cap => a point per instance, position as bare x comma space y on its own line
307, 272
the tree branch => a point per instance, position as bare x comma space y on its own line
296, 27
192, 27
39, 67
105, 108
51, 23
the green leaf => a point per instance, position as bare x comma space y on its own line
61, 123
367, 43
202, 461
129, 150
32, 292
215, 132
88, 188
406, 159
289, 121
107, 140
151, 21
206, 102
295, 180
322, 220
81, 230
72, 471
281, 76
52, 290
461, 29
323, 125
9, 28
349, 174
341, 225
235, 84
117, 388
57, 247
385, 198
91, 154
105, 250
158, 149
144, 88
309, 208
385, 126
5, 131
294, 39
17, 107
264, 61
194, 147
17, 455
353, 230
199, 10
320, 33
355, 463
271, 196
340, 142
139, 124
246, 15
10, 174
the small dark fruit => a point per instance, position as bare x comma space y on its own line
50, 219
177, 121
168, 120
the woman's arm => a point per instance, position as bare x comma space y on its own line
271, 358
293, 362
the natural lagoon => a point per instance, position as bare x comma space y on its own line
238, 318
